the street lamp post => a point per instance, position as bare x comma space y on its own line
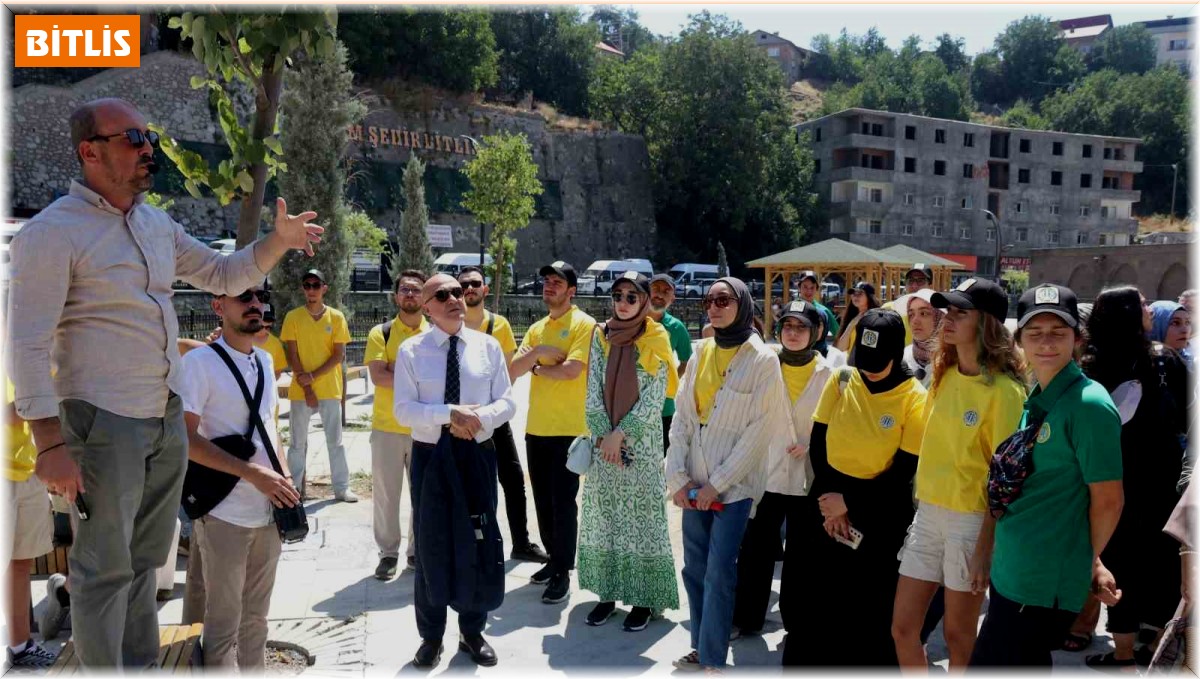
995, 223
475, 145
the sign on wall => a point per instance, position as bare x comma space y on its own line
440, 235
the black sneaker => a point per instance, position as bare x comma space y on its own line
386, 570
558, 590
601, 613
542, 576
33, 656
637, 619
530, 552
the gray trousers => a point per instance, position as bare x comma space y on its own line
330, 410
391, 454
133, 471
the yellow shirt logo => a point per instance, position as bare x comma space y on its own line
971, 418
887, 421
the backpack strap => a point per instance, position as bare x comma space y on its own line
253, 403
387, 332
491, 324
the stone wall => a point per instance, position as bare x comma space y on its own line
1159, 271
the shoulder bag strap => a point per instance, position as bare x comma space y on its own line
253, 403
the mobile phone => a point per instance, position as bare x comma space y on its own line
693, 493
855, 540
81, 507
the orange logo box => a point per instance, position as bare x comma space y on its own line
63, 40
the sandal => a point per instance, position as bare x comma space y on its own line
1108, 662
689, 662
1076, 642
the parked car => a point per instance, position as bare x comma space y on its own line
530, 287
225, 246
693, 280
599, 277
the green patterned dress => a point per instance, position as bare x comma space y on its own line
624, 543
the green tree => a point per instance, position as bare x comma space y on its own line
627, 93
251, 50
547, 51
987, 78
415, 252
451, 49
504, 182
1024, 116
1125, 49
1032, 63
953, 52
620, 27
315, 112
722, 261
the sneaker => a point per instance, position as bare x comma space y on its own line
542, 576
637, 619
386, 570
735, 633
558, 590
531, 552
54, 614
33, 656
688, 663
601, 613
347, 496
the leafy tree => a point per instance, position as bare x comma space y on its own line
844, 60
364, 234
987, 78
1068, 67
415, 252
451, 49
1125, 49
940, 93
1023, 116
547, 51
620, 27
504, 182
628, 93
953, 52
1033, 65
722, 261
316, 110
251, 50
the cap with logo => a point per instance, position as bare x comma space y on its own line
562, 270
975, 293
809, 275
880, 339
1048, 298
805, 312
922, 269
640, 281
314, 273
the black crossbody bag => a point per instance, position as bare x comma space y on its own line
291, 522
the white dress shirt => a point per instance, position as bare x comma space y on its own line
420, 383
211, 391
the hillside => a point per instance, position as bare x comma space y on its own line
806, 98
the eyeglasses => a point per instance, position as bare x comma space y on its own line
721, 301
444, 294
135, 136
263, 296
312, 286
629, 297
472, 284
409, 292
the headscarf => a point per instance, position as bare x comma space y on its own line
620, 373
1161, 313
812, 320
737, 332
922, 349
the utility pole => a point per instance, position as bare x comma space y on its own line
1174, 186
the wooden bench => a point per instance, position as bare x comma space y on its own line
349, 373
178, 651
55, 561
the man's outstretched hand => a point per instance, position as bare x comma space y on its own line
296, 231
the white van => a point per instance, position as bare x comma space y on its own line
454, 262
693, 280
599, 277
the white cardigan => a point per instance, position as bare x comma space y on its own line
730, 452
787, 475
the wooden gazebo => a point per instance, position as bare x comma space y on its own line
884, 269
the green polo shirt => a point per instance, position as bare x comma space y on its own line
681, 344
1043, 554
831, 324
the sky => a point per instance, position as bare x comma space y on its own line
977, 24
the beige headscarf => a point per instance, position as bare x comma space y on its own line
620, 373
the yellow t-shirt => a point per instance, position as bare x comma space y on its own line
20, 454
710, 375
967, 419
501, 330
556, 407
796, 379
382, 417
866, 429
314, 345
274, 346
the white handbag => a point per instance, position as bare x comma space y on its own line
579, 455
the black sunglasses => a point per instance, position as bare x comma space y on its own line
472, 284
630, 297
135, 136
721, 301
444, 294
263, 296
312, 286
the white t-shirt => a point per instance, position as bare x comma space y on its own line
923, 375
211, 392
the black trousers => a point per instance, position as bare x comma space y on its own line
554, 490
512, 482
667, 433
1014, 635
756, 561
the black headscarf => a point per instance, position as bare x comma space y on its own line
811, 320
737, 332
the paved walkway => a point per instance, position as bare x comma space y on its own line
331, 575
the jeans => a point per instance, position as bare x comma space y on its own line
1016, 635
330, 410
711, 541
554, 491
512, 482
133, 469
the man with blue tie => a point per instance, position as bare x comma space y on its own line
452, 388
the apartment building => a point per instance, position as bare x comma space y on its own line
1174, 42
895, 178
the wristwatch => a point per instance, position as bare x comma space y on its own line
535, 367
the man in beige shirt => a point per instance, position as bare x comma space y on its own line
91, 297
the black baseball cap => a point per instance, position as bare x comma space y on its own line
865, 287
922, 269
640, 281
662, 278
880, 339
975, 293
561, 269
805, 312
1048, 298
314, 273
804, 275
